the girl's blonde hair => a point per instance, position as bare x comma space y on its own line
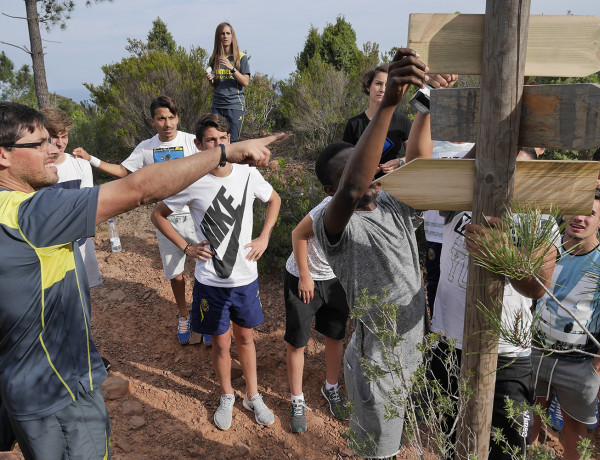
218, 50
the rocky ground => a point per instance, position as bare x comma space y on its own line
161, 396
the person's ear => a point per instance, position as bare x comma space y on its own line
4, 160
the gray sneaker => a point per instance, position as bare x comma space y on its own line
261, 412
224, 412
298, 416
337, 403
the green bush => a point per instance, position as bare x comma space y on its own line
299, 194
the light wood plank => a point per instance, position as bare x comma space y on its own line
447, 184
558, 46
552, 116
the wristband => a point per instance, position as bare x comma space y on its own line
186, 248
95, 162
223, 156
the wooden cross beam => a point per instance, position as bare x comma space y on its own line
447, 184
552, 116
557, 46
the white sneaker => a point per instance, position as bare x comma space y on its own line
261, 412
224, 412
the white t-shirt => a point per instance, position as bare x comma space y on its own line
317, 262
434, 223
76, 173
153, 150
449, 307
221, 208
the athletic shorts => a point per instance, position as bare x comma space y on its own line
173, 258
576, 384
514, 381
82, 429
328, 306
214, 307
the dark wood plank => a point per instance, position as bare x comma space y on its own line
552, 116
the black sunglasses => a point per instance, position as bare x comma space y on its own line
30, 145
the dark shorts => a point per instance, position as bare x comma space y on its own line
328, 306
235, 117
514, 381
80, 430
214, 307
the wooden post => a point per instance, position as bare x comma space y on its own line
503, 64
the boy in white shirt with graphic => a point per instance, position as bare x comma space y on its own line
226, 285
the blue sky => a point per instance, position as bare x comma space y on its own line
272, 31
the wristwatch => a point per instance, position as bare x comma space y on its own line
234, 70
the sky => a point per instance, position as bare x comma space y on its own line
272, 32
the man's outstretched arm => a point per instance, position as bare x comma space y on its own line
162, 180
404, 70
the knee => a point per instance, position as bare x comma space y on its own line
221, 344
244, 338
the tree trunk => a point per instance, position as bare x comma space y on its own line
503, 65
37, 54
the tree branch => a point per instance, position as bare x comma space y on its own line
13, 17
22, 48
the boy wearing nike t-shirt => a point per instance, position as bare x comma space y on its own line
226, 285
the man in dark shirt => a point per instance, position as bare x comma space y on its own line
51, 370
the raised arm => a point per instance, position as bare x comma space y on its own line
259, 245
419, 143
405, 70
157, 181
300, 235
112, 169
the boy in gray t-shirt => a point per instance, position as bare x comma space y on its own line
368, 238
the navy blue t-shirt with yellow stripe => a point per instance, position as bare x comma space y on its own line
46, 348
229, 94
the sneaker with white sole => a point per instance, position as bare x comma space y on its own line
224, 412
184, 331
298, 416
337, 403
555, 414
261, 412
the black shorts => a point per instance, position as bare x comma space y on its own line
514, 381
328, 306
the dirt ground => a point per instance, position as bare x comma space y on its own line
161, 396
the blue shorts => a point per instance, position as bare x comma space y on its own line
213, 308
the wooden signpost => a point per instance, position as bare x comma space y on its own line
557, 46
502, 47
553, 116
447, 184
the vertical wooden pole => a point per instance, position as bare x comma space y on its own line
503, 64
